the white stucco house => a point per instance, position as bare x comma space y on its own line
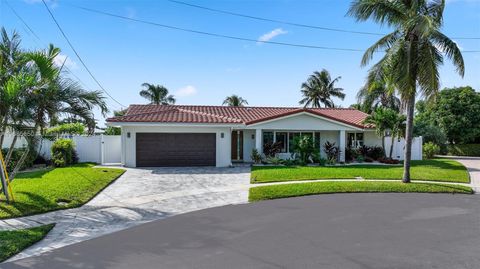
181, 135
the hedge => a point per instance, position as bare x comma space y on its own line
464, 150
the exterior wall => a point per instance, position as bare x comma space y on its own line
223, 145
302, 122
330, 136
371, 139
248, 144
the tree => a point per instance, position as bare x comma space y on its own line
377, 92
413, 51
383, 119
157, 94
319, 89
397, 128
455, 114
34, 94
234, 100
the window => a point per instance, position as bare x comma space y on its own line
355, 140
267, 137
317, 140
282, 138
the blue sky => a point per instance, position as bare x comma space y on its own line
204, 70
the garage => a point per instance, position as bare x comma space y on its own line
175, 149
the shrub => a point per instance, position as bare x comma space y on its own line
332, 152
360, 158
256, 157
388, 161
375, 153
63, 152
274, 160
272, 149
304, 147
430, 149
464, 150
351, 154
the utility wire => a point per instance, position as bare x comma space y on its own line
209, 33
38, 39
221, 35
78, 55
286, 22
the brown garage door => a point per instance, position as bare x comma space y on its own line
175, 149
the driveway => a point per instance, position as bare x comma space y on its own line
341, 231
139, 196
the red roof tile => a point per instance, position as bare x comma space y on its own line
231, 115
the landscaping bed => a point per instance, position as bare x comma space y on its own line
58, 188
312, 188
430, 170
12, 242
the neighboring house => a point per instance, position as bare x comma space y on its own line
178, 135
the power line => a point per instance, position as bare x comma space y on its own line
32, 32
78, 55
212, 34
222, 35
287, 22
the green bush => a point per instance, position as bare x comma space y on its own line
63, 152
16, 155
305, 148
256, 157
430, 149
464, 150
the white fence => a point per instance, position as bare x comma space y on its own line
399, 148
104, 149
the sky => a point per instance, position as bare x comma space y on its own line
203, 70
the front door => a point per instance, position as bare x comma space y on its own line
237, 145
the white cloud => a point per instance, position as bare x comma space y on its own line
186, 91
270, 35
63, 59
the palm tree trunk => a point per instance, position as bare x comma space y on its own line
383, 146
408, 139
391, 146
11, 149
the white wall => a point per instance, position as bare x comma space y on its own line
248, 144
223, 145
371, 139
399, 146
300, 122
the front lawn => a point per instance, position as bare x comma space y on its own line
432, 170
58, 188
12, 242
311, 188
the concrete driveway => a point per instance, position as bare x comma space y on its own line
139, 196
342, 231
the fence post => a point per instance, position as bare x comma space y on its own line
102, 149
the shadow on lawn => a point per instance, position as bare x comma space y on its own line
36, 204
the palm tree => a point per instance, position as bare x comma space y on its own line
413, 51
318, 90
376, 92
157, 94
234, 100
397, 129
381, 118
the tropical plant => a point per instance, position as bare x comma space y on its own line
35, 94
430, 150
413, 51
332, 152
319, 89
305, 148
397, 129
76, 128
256, 157
377, 92
272, 149
157, 94
63, 152
381, 118
234, 100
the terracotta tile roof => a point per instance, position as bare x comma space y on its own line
231, 115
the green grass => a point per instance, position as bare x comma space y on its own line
59, 188
433, 170
311, 188
12, 242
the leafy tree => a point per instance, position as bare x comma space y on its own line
319, 89
377, 92
76, 128
413, 52
34, 94
382, 118
234, 100
157, 94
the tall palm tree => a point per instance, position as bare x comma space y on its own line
234, 100
157, 94
413, 52
319, 89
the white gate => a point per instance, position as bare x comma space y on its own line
399, 148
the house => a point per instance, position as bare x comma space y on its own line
182, 135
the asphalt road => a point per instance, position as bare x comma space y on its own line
326, 231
